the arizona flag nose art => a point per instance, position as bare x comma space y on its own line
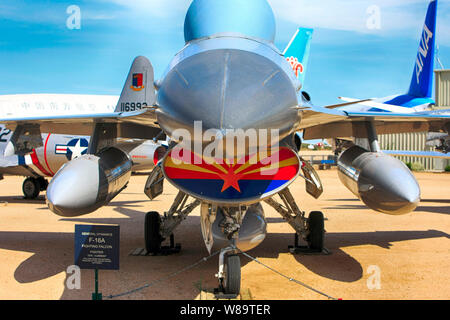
248, 180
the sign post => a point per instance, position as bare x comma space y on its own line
97, 247
96, 295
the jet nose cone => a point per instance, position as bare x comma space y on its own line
387, 185
74, 190
227, 89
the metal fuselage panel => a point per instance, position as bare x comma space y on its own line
228, 83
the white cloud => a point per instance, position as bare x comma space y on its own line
156, 8
349, 15
403, 17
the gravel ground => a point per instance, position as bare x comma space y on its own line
409, 254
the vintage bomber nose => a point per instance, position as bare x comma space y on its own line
227, 89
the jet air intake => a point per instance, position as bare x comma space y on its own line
383, 183
89, 182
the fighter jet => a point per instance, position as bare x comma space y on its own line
231, 103
58, 149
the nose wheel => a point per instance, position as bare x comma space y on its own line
229, 274
231, 281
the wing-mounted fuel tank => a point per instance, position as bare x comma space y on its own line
383, 183
86, 183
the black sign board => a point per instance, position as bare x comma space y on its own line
97, 247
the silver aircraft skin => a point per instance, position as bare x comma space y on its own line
228, 76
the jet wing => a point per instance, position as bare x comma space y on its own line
135, 111
82, 124
381, 105
323, 122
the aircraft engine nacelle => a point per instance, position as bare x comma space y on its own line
252, 232
383, 183
89, 182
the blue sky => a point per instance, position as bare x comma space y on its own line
39, 54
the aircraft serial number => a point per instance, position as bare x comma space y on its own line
4, 133
132, 106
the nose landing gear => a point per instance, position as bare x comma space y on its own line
229, 274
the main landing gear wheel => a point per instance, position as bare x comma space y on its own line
43, 183
31, 188
151, 232
316, 228
232, 275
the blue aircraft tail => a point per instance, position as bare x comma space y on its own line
421, 82
297, 51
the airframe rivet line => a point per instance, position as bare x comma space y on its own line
284, 276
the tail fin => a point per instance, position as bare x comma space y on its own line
139, 91
297, 51
421, 82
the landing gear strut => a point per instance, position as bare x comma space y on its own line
157, 228
229, 274
311, 229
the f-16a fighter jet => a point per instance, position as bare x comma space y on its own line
231, 103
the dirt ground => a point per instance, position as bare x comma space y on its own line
409, 254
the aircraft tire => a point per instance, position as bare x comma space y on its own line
43, 183
232, 277
317, 231
151, 232
31, 188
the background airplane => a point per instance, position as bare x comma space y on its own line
228, 76
58, 149
419, 95
45, 161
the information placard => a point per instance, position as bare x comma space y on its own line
97, 247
